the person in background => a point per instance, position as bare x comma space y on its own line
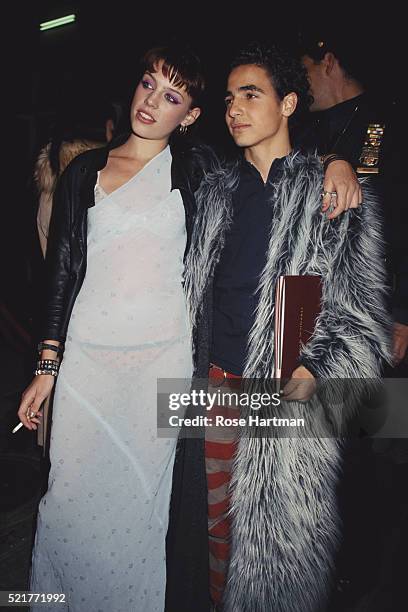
369, 131
366, 124
71, 136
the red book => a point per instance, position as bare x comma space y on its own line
297, 305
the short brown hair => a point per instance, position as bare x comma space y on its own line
180, 65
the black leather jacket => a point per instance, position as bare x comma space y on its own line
67, 243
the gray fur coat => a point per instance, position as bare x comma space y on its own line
285, 525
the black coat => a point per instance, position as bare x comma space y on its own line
342, 129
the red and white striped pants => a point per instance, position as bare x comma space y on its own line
220, 448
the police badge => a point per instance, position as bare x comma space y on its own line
370, 153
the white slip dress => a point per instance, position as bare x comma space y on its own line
101, 526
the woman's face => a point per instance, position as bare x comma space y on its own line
159, 106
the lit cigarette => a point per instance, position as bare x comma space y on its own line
17, 427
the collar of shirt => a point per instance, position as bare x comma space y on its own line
335, 118
249, 171
342, 109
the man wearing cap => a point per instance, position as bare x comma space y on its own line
346, 119
369, 132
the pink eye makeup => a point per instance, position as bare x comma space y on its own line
173, 99
147, 84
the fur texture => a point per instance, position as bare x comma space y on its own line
43, 175
284, 516
212, 221
46, 180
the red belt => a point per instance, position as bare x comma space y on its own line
219, 375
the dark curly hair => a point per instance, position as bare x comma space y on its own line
286, 72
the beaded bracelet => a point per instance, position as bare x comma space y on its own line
41, 372
47, 366
48, 363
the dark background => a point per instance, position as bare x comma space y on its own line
80, 67
77, 69
97, 57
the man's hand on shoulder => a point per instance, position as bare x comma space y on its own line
341, 189
300, 387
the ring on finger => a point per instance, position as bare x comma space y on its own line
333, 198
30, 415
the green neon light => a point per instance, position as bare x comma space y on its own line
56, 23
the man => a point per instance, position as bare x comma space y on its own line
258, 219
343, 112
348, 119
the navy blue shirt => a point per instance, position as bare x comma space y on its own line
241, 264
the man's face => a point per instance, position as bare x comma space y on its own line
254, 111
319, 84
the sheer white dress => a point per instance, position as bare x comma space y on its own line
102, 523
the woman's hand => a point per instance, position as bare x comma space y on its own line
300, 387
340, 179
38, 390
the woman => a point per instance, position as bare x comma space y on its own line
102, 524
